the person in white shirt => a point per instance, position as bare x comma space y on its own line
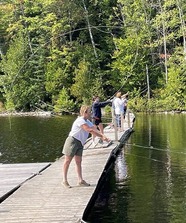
73, 147
118, 105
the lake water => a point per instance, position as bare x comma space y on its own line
33, 139
148, 183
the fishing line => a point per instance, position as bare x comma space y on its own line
61, 110
61, 35
69, 32
154, 148
143, 157
130, 73
147, 158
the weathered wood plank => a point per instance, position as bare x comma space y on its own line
13, 175
43, 199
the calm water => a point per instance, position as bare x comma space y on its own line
32, 139
148, 183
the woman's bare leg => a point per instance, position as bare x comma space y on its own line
66, 165
81, 182
78, 161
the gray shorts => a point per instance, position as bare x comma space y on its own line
72, 147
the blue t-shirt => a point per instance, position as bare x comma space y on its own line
96, 108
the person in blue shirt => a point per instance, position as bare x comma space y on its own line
97, 114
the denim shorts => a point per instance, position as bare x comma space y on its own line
118, 120
72, 147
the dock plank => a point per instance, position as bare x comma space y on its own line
43, 199
14, 175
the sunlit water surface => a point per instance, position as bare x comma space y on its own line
148, 183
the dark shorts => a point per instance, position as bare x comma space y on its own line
72, 147
96, 121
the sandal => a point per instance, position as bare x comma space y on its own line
66, 184
83, 184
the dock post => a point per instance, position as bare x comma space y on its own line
128, 116
122, 122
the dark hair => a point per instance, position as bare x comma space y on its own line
94, 97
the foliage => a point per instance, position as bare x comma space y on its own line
13, 84
174, 94
52, 50
63, 103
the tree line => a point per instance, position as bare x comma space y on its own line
57, 54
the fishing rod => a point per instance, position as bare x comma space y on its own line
120, 87
61, 35
99, 28
130, 73
66, 33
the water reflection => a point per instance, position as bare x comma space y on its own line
32, 139
148, 182
121, 168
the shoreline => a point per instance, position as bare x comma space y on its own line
50, 113
35, 113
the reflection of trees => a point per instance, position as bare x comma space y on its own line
150, 171
167, 163
155, 162
161, 167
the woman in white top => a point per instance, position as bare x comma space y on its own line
75, 141
118, 105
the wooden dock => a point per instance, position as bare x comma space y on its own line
43, 199
12, 176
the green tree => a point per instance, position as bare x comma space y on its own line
80, 89
90, 47
174, 94
133, 47
21, 85
64, 103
